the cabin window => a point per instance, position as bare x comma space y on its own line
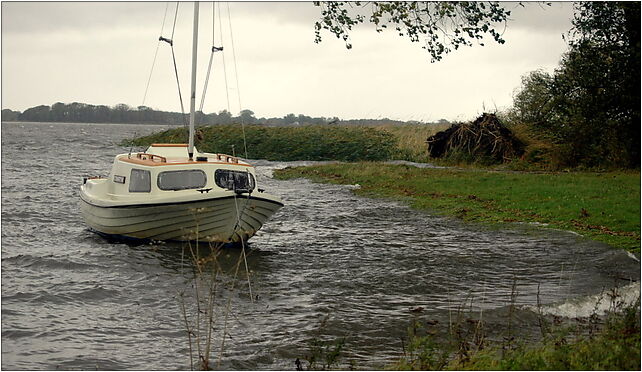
140, 181
234, 180
181, 180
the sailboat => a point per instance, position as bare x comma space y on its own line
175, 192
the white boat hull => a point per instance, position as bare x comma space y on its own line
226, 219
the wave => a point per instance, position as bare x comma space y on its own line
599, 304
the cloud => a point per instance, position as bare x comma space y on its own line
101, 53
539, 17
46, 17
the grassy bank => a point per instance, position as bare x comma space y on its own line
330, 142
601, 206
608, 342
411, 140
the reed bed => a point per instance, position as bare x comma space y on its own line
314, 142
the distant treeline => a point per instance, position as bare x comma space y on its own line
121, 113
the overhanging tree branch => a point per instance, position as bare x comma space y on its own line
444, 26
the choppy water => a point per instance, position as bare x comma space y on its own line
71, 300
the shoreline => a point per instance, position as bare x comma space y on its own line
599, 206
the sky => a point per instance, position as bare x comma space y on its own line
102, 53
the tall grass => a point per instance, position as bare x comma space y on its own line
336, 142
597, 342
358, 143
411, 140
206, 301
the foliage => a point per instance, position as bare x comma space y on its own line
444, 26
85, 113
597, 342
590, 106
534, 101
287, 143
601, 206
411, 139
213, 276
395, 142
10, 115
615, 347
323, 353
121, 113
335, 142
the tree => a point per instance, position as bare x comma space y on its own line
590, 106
59, 112
10, 115
289, 119
603, 69
224, 117
119, 113
103, 114
247, 117
444, 26
38, 113
534, 102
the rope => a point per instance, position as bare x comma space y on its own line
220, 28
236, 75
229, 19
238, 215
155, 55
238, 225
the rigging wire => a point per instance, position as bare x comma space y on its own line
220, 28
209, 67
229, 19
180, 96
155, 55
170, 41
236, 75
175, 17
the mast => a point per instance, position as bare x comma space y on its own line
192, 104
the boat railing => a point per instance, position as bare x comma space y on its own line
146, 156
227, 158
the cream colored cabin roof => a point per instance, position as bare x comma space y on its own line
164, 154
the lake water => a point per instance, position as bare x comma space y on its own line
328, 265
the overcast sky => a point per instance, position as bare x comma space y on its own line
102, 53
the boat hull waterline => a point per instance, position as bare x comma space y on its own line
223, 219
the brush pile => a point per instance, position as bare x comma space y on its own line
486, 138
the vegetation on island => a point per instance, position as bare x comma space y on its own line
314, 142
77, 112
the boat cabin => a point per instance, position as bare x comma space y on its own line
166, 168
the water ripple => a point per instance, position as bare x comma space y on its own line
72, 300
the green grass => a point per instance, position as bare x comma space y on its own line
601, 206
287, 143
330, 142
610, 343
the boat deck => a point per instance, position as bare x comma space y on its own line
153, 160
